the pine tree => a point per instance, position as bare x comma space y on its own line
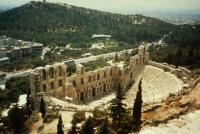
88, 127
104, 128
117, 108
137, 108
42, 108
60, 126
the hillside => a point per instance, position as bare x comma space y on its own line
183, 47
62, 24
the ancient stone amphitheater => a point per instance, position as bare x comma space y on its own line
86, 89
159, 81
157, 85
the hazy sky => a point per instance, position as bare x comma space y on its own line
124, 6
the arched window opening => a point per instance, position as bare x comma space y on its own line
60, 83
104, 74
51, 72
52, 85
44, 88
59, 71
43, 74
98, 76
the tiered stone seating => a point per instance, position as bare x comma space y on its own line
156, 86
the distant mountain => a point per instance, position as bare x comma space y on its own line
61, 24
180, 19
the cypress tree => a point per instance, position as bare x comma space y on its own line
60, 126
88, 127
42, 108
104, 128
29, 105
137, 108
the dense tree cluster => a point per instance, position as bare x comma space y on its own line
184, 36
13, 88
18, 119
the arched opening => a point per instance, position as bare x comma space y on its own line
52, 85
74, 83
43, 74
111, 72
94, 92
89, 78
82, 96
51, 72
104, 88
59, 71
104, 74
82, 81
98, 76
131, 75
44, 88
60, 83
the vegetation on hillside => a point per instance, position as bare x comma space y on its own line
183, 47
62, 24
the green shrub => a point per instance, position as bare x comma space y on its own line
78, 117
97, 113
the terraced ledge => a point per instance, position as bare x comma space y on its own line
172, 108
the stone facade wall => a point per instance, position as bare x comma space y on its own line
49, 78
180, 72
85, 86
161, 66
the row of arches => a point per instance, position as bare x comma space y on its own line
94, 92
52, 85
92, 78
52, 72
